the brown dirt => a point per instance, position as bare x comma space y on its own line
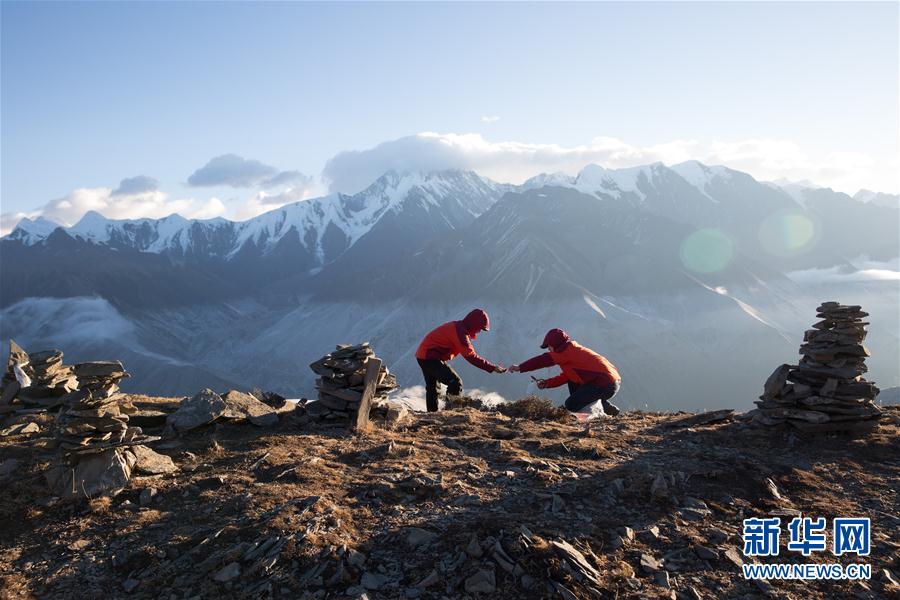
320, 494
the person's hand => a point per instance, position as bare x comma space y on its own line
541, 384
500, 369
514, 369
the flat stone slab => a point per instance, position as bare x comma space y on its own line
151, 462
203, 408
103, 474
241, 406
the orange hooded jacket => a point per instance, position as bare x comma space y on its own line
579, 364
447, 341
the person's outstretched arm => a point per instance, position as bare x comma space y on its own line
541, 361
468, 353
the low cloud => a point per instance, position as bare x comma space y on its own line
239, 172
765, 158
9, 220
503, 161
138, 197
866, 271
70, 208
493, 119
136, 185
263, 202
81, 320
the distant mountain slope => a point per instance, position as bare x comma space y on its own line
63, 267
878, 198
551, 243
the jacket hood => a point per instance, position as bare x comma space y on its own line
477, 320
556, 339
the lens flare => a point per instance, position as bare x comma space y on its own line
787, 233
706, 251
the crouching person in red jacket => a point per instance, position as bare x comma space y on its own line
443, 344
591, 377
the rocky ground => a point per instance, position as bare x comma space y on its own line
462, 503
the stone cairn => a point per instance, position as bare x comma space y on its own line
826, 390
350, 379
38, 379
93, 435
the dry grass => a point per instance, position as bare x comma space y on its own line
460, 402
535, 409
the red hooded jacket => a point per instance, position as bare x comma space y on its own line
579, 364
455, 337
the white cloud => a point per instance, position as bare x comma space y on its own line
207, 210
154, 204
770, 159
764, 158
492, 119
865, 271
8, 220
503, 161
263, 202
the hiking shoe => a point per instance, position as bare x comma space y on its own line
610, 408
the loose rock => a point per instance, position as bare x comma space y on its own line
202, 409
482, 581
228, 572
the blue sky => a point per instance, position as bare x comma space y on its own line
96, 93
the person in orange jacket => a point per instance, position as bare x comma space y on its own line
444, 343
590, 376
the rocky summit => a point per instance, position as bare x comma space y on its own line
517, 501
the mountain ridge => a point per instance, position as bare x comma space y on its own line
351, 215
393, 237
695, 173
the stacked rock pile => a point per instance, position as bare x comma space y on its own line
350, 379
36, 379
826, 391
92, 433
100, 378
92, 420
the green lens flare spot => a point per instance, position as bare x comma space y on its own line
706, 251
787, 233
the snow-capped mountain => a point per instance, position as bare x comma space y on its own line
322, 227
32, 231
878, 198
548, 179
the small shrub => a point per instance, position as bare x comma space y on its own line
536, 409
460, 402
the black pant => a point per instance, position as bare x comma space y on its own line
584, 394
438, 371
